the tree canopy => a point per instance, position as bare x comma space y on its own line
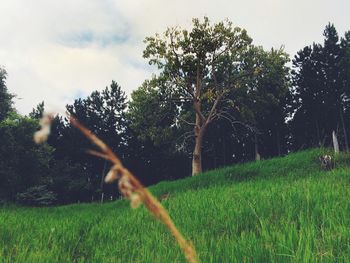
204, 67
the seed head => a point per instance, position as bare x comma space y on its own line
125, 186
135, 200
45, 123
112, 175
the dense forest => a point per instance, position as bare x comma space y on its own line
216, 99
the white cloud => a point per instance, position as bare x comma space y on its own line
55, 50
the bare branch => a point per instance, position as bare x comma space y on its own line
183, 120
182, 100
185, 136
213, 108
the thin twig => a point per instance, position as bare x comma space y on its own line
98, 154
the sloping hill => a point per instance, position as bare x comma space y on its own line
279, 210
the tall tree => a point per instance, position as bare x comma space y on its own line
154, 134
319, 93
201, 66
261, 101
5, 97
104, 114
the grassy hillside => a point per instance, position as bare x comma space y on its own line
279, 210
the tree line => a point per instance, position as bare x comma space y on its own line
217, 99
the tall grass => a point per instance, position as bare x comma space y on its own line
279, 210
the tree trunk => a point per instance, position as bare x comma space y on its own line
224, 150
344, 130
335, 142
257, 155
199, 130
197, 155
318, 134
102, 181
278, 143
215, 158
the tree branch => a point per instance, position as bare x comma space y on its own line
185, 136
197, 110
212, 113
183, 120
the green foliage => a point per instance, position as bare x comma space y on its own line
279, 210
36, 196
151, 114
37, 112
213, 72
79, 176
260, 102
103, 113
154, 134
69, 181
22, 163
202, 63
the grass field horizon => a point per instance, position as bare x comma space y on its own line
285, 209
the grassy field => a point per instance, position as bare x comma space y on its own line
279, 210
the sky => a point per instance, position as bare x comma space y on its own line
57, 51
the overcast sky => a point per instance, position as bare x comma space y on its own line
60, 50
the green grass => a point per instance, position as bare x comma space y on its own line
279, 210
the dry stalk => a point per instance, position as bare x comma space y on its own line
132, 189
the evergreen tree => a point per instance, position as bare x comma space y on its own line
104, 114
